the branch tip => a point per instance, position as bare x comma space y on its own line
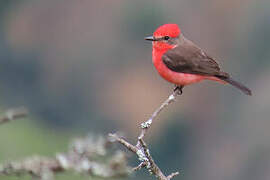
172, 175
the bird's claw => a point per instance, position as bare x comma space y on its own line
178, 90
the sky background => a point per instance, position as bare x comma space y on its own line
83, 67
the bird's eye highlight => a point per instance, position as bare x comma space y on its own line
166, 37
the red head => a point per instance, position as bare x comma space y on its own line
164, 36
171, 30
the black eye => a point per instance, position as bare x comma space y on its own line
166, 37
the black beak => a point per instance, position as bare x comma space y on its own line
150, 38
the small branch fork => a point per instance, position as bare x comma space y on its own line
141, 149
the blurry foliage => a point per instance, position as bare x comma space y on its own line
92, 156
23, 138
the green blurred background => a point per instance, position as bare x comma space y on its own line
83, 66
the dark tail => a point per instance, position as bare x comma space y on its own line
236, 84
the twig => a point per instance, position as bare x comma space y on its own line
141, 149
115, 137
140, 166
172, 175
13, 114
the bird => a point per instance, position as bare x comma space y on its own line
181, 62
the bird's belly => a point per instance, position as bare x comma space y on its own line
180, 78
176, 77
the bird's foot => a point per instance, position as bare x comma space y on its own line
178, 89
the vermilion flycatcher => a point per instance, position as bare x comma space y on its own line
181, 62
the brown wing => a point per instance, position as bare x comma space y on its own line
189, 58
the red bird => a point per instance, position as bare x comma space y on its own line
181, 62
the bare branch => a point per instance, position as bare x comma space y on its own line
13, 114
115, 137
141, 149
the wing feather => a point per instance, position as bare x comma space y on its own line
189, 58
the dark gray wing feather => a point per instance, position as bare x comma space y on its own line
189, 58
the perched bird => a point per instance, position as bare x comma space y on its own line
181, 62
